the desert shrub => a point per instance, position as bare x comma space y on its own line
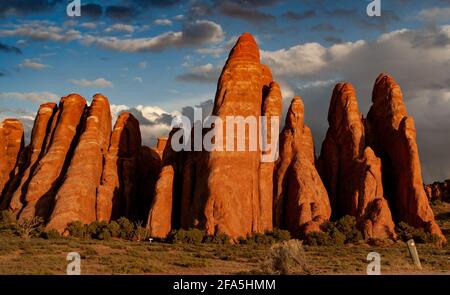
98, 230
126, 228
191, 236
268, 238
52, 234
318, 239
77, 229
114, 229
281, 235
339, 232
219, 238
406, 232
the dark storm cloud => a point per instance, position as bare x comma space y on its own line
206, 107
295, 16
333, 39
9, 49
247, 13
91, 10
325, 28
118, 12
24, 7
156, 3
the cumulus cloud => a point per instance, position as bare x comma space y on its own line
36, 97
435, 14
154, 121
40, 31
33, 64
120, 28
206, 73
418, 59
163, 22
192, 34
97, 83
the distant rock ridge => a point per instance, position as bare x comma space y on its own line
78, 167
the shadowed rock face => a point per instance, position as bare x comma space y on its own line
118, 188
301, 201
41, 129
392, 135
11, 146
76, 198
50, 170
350, 170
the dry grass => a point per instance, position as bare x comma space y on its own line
40, 256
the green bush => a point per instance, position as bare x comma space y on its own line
406, 232
77, 229
318, 239
191, 236
114, 229
219, 238
126, 228
52, 234
281, 235
268, 238
339, 232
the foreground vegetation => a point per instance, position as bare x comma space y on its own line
123, 248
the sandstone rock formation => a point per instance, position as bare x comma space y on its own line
160, 220
271, 108
438, 191
301, 201
76, 198
13, 198
38, 199
392, 135
226, 191
11, 146
351, 172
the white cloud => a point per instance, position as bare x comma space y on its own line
32, 64
97, 83
163, 22
203, 73
138, 79
435, 13
154, 121
89, 25
36, 97
178, 17
41, 31
417, 59
193, 34
120, 28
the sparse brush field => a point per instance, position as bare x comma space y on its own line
19, 255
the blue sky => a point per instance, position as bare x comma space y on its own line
156, 57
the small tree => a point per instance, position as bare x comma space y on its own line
30, 227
